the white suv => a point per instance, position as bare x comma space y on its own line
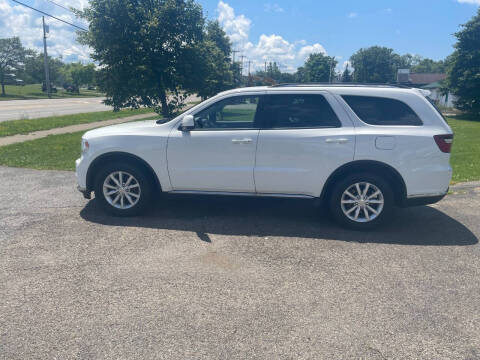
360, 149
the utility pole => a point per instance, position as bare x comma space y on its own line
249, 63
45, 57
241, 66
233, 55
265, 67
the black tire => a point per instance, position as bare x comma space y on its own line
338, 213
146, 188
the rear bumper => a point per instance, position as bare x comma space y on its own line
423, 200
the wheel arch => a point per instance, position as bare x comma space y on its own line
389, 173
119, 156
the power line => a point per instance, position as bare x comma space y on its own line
56, 18
60, 5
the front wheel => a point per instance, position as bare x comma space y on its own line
361, 201
123, 189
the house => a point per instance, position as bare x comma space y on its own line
428, 81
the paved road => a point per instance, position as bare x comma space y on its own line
32, 109
231, 279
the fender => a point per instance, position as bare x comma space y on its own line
391, 174
123, 156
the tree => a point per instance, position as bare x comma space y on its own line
215, 34
34, 72
215, 73
347, 75
144, 50
426, 65
464, 72
317, 68
82, 74
376, 65
12, 56
237, 74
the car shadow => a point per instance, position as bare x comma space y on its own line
294, 218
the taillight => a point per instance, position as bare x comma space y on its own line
444, 142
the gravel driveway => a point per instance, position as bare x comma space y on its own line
231, 279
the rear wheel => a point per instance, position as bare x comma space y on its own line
123, 189
361, 201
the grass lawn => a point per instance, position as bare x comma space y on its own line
26, 126
54, 152
58, 152
466, 150
34, 91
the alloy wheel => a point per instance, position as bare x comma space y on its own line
121, 190
362, 202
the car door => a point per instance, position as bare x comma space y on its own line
304, 138
219, 153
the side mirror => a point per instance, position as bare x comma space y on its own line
187, 123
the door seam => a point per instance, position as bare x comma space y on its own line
255, 162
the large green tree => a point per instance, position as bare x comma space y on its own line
34, 72
317, 68
78, 74
145, 50
12, 57
425, 65
376, 64
464, 72
215, 34
215, 73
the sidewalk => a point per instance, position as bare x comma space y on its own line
69, 129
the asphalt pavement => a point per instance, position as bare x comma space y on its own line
32, 109
232, 278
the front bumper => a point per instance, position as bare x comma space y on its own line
81, 168
86, 194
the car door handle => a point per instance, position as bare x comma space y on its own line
336, 140
242, 141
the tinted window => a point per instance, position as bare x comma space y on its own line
298, 111
233, 113
382, 111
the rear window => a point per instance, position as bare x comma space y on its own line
382, 111
298, 111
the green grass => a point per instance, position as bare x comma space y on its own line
466, 150
54, 152
34, 91
58, 152
26, 126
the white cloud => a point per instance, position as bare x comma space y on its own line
268, 7
310, 49
352, 15
269, 48
20, 21
237, 27
476, 2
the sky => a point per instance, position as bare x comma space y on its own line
283, 31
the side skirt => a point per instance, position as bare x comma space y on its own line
227, 193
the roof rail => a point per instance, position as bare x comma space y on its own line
341, 84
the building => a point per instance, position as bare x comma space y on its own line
427, 81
